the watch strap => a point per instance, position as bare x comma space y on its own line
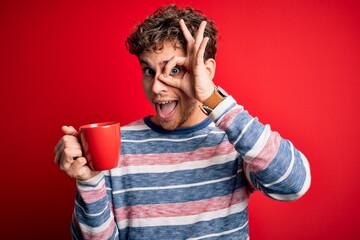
213, 100
210, 103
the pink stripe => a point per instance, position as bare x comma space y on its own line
107, 233
175, 158
181, 209
94, 195
229, 117
267, 154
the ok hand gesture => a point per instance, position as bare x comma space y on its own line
197, 80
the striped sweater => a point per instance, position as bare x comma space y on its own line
189, 183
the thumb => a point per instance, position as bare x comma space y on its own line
171, 81
68, 130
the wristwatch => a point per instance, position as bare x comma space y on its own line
218, 95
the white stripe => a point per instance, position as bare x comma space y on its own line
243, 131
218, 111
212, 124
222, 233
176, 186
288, 170
135, 127
89, 184
98, 229
173, 167
92, 214
217, 132
232, 109
183, 220
171, 140
259, 145
222, 107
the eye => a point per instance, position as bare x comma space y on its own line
148, 71
175, 71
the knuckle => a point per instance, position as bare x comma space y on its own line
75, 174
82, 160
67, 152
67, 138
72, 174
64, 138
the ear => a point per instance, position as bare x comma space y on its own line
210, 65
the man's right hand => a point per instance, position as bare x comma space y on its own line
68, 155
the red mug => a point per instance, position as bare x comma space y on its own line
101, 144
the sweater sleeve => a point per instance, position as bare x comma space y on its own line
272, 164
93, 216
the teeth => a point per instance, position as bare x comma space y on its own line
165, 102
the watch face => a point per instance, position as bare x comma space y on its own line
222, 91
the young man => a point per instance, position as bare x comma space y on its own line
188, 171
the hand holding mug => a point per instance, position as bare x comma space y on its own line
100, 143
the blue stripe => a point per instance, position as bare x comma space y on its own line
195, 230
278, 165
250, 137
92, 208
75, 231
239, 122
166, 146
293, 183
139, 135
173, 178
178, 195
93, 221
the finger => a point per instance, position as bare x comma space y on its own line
68, 130
69, 154
185, 31
200, 34
65, 138
78, 164
58, 155
73, 149
171, 81
201, 51
174, 61
79, 169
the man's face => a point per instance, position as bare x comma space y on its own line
173, 107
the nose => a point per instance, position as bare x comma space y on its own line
158, 85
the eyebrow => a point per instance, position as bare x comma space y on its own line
143, 61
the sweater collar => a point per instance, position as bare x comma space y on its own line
185, 130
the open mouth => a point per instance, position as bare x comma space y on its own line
166, 109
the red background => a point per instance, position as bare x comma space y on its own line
294, 64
